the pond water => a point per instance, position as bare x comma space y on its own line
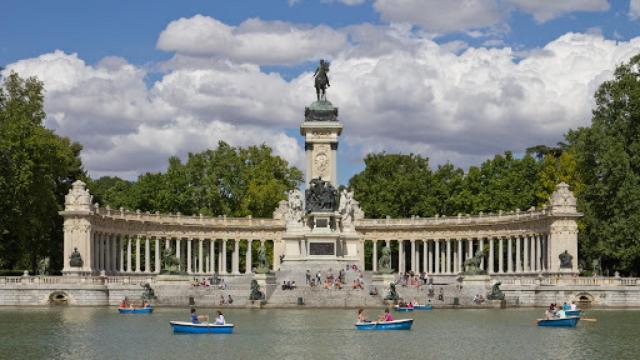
101, 333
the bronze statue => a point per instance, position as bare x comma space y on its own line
75, 260
322, 80
392, 295
263, 264
472, 265
255, 294
321, 196
565, 260
496, 293
170, 262
148, 293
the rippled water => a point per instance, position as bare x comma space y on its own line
101, 333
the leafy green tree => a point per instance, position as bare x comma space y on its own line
110, 190
37, 168
607, 158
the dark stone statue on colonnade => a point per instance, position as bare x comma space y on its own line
566, 260
472, 265
322, 80
75, 260
496, 293
321, 196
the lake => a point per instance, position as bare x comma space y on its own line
101, 333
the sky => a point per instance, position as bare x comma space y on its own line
458, 81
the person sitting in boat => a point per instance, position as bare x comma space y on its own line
362, 318
195, 319
219, 318
146, 304
566, 307
573, 306
410, 305
124, 303
386, 316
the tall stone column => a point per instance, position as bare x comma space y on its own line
158, 258
178, 254
448, 270
431, 268
501, 255
100, 252
481, 248
236, 256
490, 268
538, 268
425, 256
247, 267
114, 253
212, 254
525, 266
189, 257
437, 256
532, 253
459, 254
518, 257
129, 266
374, 264
401, 268
470, 252
200, 255
147, 255
121, 250
510, 255
138, 253
224, 256
413, 255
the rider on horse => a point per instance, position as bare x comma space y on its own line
322, 80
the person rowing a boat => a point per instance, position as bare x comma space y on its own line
219, 318
362, 318
195, 319
386, 316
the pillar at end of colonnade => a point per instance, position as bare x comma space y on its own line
77, 231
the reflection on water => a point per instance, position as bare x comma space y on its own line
101, 333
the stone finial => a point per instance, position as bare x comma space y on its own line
562, 200
78, 198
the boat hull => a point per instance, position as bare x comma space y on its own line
203, 328
423, 307
404, 324
148, 310
571, 321
402, 309
573, 312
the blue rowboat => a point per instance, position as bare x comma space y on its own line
571, 321
145, 310
423, 307
402, 308
404, 324
202, 328
573, 313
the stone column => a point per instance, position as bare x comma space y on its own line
538, 268
510, 255
235, 261
425, 258
501, 255
189, 268
431, 260
532, 253
129, 265
100, 252
224, 256
212, 254
147, 255
121, 250
490, 268
448, 264
114, 254
525, 265
413, 256
248, 260
518, 257
200, 255
470, 252
138, 253
374, 264
178, 253
107, 253
158, 258
481, 248
401, 268
460, 263
437, 257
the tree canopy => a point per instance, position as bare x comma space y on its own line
37, 168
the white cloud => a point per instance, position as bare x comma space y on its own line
460, 15
253, 41
634, 9
397, 91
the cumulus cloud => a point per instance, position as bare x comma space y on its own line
459, 15
634, 9
397, 91
253, 41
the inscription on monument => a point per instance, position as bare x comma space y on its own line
317, 248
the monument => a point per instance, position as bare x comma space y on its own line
321, 234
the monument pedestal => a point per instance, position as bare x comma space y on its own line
382, 280
265, 280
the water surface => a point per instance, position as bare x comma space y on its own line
101, 333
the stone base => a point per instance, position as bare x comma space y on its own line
173, 279
382, 279
265, 280
76, 272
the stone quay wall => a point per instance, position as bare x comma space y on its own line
109, 291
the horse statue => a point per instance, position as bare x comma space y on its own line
321, 79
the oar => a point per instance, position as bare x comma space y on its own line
588, 319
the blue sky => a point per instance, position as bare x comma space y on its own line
423, 61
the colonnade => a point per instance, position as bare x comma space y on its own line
521, 254
139, 254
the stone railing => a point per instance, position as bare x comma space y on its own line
575, 281
89, 280
179, 219
481, 219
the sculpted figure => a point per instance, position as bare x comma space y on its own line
346, 208
472, 265
496, 293
392, 295
566, 260
263, 264
75, 260
170, 262
255, 294
384, 263
321, 80
296, 210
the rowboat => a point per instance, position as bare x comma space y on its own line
404, 324
570, 321
572, 313
402, 308
201, 328
144, 310
423, 307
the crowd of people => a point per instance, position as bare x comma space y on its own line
329, 280
413, 279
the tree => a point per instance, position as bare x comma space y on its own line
607, 156
37, 168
